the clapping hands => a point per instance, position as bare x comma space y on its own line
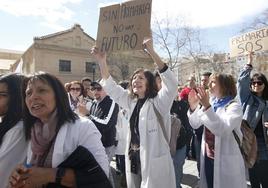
198, 96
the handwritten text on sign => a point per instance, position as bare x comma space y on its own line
123, 27
252, 41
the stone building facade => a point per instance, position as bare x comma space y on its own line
219, 63
7, 59
66, 54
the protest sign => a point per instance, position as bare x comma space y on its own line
252, 41
122, 27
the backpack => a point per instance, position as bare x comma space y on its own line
248, 147
175, 130
175, 133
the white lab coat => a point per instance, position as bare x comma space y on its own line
229, 168
121, 132
157, 169
83, 132
12, 152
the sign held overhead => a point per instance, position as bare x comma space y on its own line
122, 27
253, 41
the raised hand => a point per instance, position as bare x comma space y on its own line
148, 45
98, 55
203, 97
193, 100
101, 58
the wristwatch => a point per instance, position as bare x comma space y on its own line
59, 174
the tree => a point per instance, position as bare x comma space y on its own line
259, 22
170, 38
176, 39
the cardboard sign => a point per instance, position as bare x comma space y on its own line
252, 41
123, 27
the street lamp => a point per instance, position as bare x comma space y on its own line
93, 70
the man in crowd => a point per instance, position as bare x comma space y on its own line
198, 132
103, 113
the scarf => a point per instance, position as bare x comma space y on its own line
134, 147
220, 102
42, 138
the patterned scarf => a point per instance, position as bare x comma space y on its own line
42, 138
220, 102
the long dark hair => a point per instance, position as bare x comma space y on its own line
151, 88
14, 111
261, 77
64, 111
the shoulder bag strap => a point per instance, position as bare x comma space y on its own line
234, 133
161, 122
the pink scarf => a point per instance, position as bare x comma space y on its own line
42, 138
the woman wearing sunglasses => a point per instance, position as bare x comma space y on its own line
75, 92
253, 95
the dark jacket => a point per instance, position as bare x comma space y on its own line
88, 173
180, 108
104, 116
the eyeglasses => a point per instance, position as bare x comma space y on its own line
96, 88
75, 89
259, 83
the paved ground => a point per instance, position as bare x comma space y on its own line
190, 175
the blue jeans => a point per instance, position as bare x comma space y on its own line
178, 161
209, 170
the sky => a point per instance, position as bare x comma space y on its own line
219, 20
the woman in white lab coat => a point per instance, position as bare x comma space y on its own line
55, 132
222, 164
148, 160
13, 145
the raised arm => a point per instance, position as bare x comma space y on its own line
148, 46
243, 82
101, 58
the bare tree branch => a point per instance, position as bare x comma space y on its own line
259, 22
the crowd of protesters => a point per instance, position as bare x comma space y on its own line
55, 135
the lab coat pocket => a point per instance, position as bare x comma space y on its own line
231, 170
159, 165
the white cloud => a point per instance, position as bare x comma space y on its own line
107, 4
52, 11
209, 13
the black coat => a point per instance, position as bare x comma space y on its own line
88, 173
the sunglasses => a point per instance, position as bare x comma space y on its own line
75, 89
96, 88
259, 83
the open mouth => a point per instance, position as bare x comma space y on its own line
36, 106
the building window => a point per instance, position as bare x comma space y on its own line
90, 67
65, 66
